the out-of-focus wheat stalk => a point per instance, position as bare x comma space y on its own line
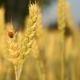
71, 27
3, 48
69, 20
61, 15
61, 27
35, 54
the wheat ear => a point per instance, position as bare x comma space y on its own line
30, 31
13, 48
17, 55
61, 14
26, 45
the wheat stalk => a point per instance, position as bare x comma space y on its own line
17, 52
61, 27
61, 14
13, 48
71, 27
3, 48
30, 31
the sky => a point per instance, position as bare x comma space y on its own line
49, 13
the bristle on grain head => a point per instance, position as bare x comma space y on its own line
33, 11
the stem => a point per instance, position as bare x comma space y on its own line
42, 62
19, 71
39, 70
43, 71
16, 72
72, 67
62, 56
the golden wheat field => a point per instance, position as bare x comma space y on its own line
38, 53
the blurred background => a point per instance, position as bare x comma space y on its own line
49, 67
18, 9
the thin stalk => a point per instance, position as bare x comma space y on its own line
16, 72
39, 71
44, 67
62, 56
43, 71
19, 71
72, 67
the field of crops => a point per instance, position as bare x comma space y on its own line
38, 53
